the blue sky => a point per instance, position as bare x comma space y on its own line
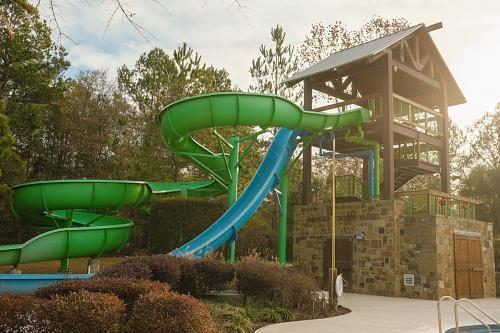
217, 29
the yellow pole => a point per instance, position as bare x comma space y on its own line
333, 274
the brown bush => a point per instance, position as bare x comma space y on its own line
187, 281
18, 313
200, 276
265, 281
83, 312
160, 267
165, 269
127, 289
136, 267
211, 275
185, 275
170, 313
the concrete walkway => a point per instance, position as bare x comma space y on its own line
377, 314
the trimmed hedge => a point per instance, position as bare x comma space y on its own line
168, 313
264, 281
135, 267
82, 312
174, 221
127, 289
165, 268
201, 276
77, 312
187, 276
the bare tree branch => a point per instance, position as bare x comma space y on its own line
56, 22
139, 28
242, 9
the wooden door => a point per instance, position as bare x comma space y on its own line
343, 260
468, 267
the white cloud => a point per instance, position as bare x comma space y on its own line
226, 38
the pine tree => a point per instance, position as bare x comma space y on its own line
274, 65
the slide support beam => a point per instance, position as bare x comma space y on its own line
232, 195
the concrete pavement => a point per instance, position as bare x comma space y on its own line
377, 314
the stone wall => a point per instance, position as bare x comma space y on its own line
389, 246
375, 258
418, 256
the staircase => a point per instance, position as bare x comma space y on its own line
406, 170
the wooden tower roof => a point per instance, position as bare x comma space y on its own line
374, 49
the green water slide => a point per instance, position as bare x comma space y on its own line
76, 218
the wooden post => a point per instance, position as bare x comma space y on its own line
445, 154
387, 127
333, 269
306, 157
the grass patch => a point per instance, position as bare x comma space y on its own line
77, 266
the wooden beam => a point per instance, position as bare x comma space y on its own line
332, 91
445, 154
410, 53
434, 26
416, 74
417, 51
388, 128
307, 154
402, 51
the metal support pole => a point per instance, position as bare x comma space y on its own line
232, 193
64, 265
282, 224
333, 269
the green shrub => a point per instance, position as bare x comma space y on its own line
161, 312
18, 313
127, 289
269, 313
135, 267
138, 241
257, 235
175, 221
236, 319
82, 312
230, 318
265, 281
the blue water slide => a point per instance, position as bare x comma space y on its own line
264, 180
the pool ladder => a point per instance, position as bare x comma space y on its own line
459, 304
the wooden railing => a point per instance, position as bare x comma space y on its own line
414, 150
430, 202
406, 111
420, 117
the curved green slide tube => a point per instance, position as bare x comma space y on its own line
77, 216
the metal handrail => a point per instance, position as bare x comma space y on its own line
483, 312
446, 298
457, 304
